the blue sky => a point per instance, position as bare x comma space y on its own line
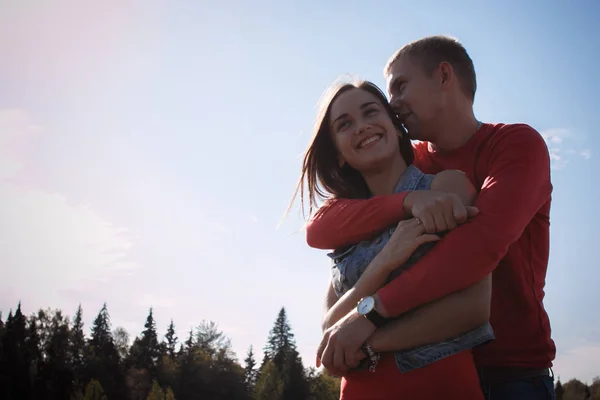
149, 150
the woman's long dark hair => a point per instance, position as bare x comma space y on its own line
322, 177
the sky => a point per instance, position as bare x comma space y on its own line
149, 149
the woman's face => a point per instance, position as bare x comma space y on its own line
362, 130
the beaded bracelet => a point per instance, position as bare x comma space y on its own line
373, 357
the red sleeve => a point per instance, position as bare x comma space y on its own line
341, 222
516, 188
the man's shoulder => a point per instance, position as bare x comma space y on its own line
521, 136
498, 130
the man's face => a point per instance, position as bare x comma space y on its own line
416, 97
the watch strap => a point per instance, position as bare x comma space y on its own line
376, 318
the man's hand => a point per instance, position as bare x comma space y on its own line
438, 211
340, 347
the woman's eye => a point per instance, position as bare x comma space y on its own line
343, 125
371, 111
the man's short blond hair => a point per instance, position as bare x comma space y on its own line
431, 51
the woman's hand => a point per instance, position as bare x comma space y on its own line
409, 235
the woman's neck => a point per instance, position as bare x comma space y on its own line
383, 181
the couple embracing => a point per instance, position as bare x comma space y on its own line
439, 229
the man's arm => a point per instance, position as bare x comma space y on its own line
440, 320
340, 222
517, 186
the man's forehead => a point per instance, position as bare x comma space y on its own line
399, 69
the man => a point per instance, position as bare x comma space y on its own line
431, 83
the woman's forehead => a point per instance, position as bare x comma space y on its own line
352, 100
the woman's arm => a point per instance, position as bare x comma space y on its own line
406, 238
445, 318
330, 299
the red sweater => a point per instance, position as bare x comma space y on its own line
509, 236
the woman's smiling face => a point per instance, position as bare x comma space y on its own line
362, 130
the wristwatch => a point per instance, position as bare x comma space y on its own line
366, 308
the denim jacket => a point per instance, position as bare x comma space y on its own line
349, 264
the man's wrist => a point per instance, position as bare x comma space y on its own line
407, 203
379, 307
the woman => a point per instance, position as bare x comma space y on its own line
359, 151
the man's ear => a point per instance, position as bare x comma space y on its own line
446, 74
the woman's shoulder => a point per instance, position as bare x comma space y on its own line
413, 179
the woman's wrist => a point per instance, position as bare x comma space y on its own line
382, 262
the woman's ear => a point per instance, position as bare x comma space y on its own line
341, 162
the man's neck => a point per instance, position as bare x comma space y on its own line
384, 180
455, 131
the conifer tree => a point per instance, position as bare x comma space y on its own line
171, 340
156, 393
250, 371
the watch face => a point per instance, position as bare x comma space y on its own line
366, 305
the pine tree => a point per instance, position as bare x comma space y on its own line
38, 370
190, 342
146, 350
15, 362
281, 353
250, 371
156, 393
94, 391
77, 349
169, 395
101, 338
104, 359
171, 340
559, 390
58, 356
281, 337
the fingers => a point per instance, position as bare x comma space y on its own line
472, 211
350, 357
327, 357
427, 238
459, 211
339, 360
360, 355
321, 349
449, 217
428, 222
440, 222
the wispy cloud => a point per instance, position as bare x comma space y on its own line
47, 244
563, 147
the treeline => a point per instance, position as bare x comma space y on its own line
577, 390
47, 355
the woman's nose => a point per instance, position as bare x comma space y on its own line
362, 128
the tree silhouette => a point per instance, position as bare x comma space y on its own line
48, 355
